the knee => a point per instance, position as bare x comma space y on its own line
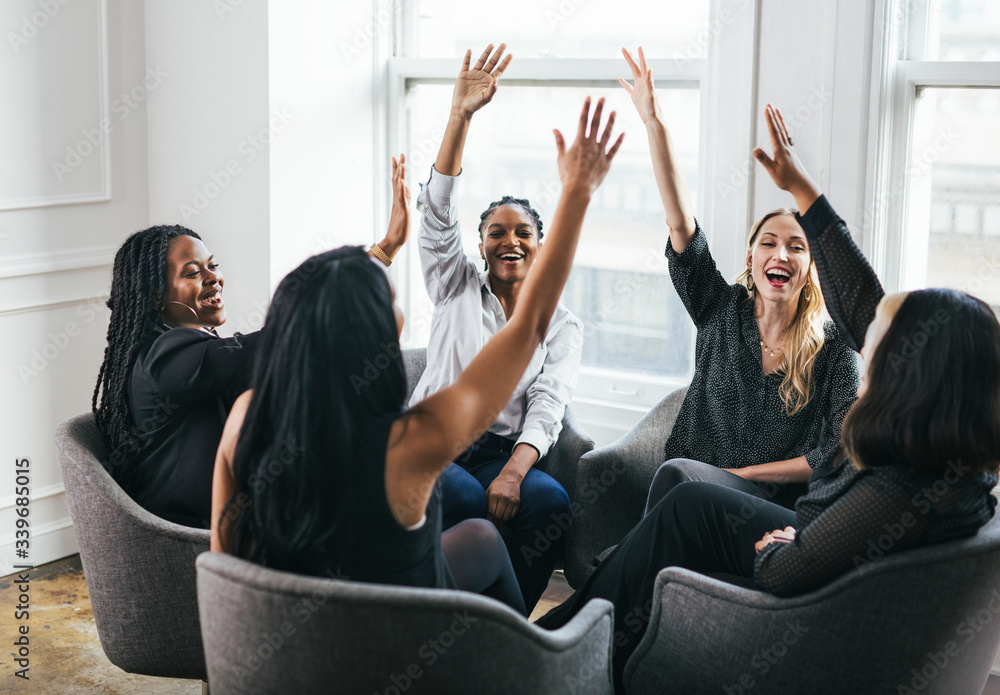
466, 501
672, 473
480, 534
545, 504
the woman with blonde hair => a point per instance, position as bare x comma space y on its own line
772, 380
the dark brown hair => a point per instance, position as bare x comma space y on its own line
933, 392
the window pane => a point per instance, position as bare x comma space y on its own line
953, 226
563, 29
959, 30
619, 287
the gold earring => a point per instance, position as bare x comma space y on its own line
806, 294
750, 283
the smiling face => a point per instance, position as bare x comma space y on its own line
779, 259
509, 243
194, 280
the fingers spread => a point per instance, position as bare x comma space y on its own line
581, 131
642, 60
607, 131
560, 143
763, 158
492, 62
625, 84
482, 59
595, 122
614, 148
503, 65
467, 60
631, 63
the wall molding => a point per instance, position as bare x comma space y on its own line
50, 541
104, 193
41, 493
57, 261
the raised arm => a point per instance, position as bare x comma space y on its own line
669, 179
474, 89
850, 287
399, 217
436, 430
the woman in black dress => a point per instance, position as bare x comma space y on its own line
322, 471
930, 397
168, 380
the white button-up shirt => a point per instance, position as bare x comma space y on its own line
467, 314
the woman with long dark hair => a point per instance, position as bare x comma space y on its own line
927, 418
772, 381
322, 470
168, 380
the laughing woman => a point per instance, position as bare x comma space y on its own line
772, 382
168, 380
914, 416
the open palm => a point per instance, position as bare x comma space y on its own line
475, 87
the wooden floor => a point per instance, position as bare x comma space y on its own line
66, 656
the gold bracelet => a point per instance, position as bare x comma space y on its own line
377, 251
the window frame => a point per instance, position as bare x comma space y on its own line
894, 102
726, 78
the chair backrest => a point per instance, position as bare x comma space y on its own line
267, 631
139, 568
922, 621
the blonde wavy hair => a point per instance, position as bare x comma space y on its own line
805, 334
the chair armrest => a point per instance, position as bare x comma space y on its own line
612, 485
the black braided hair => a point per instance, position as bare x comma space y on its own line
510, 200
138, 284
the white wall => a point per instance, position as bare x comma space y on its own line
69, 74
208, 130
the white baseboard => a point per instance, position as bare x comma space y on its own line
49, 542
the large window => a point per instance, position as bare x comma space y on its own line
634, 322
939, 188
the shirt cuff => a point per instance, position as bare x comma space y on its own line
440, 186
537, 438
815, 457
697, 246
818, 218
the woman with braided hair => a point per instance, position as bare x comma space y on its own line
495, 478
168, 379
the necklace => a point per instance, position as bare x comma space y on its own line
769, 351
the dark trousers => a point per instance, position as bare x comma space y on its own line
672, 473
703, 527
534, 538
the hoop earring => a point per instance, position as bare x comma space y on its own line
806, 294
750, 286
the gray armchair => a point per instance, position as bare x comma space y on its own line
612, 485
925, 620
139, 568
561, 462
267, 631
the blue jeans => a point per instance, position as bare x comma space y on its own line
535, 536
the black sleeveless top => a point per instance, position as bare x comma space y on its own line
382, 551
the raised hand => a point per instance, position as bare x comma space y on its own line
475, 87
642, 92
785, 168
586, 163
399, 218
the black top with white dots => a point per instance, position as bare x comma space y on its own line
851, 517
733, 415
